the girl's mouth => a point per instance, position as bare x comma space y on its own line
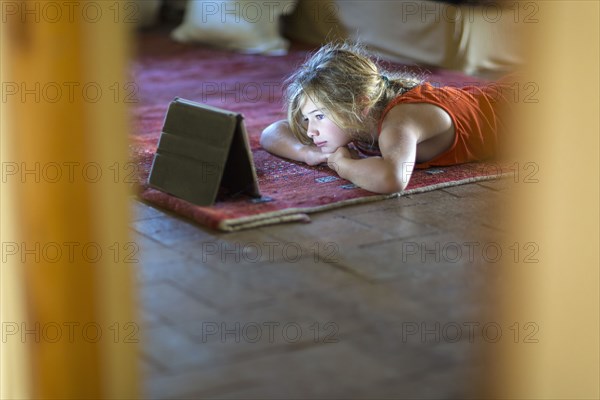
320, 144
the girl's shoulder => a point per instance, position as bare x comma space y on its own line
418, 92
419, 102
425, 114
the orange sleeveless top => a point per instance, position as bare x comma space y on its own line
474, 111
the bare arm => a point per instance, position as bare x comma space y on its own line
387, 174
278, 139
404, 127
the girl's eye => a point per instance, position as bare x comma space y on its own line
318, 117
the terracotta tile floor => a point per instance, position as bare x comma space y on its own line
383, 300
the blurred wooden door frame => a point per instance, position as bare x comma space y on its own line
68, 314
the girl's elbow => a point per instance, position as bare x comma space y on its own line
395, 186
266, 137
269, 135
391, 184
401, 186
395, 181
392, 179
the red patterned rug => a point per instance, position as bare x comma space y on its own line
251, 85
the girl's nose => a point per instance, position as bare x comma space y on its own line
311, 132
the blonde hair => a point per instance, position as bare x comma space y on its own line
345, 81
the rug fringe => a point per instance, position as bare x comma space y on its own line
300, 214
236, 224
457, 183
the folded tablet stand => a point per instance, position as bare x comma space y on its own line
201, 149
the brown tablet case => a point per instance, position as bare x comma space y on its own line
201, 149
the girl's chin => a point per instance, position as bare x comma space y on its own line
327, 149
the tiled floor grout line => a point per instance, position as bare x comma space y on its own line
402, 238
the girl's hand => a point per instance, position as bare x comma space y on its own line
313, 156
339, 154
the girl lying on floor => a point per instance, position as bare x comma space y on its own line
340, 96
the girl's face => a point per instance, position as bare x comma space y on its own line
324, 133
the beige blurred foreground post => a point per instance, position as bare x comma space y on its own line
550, 297
68, 320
